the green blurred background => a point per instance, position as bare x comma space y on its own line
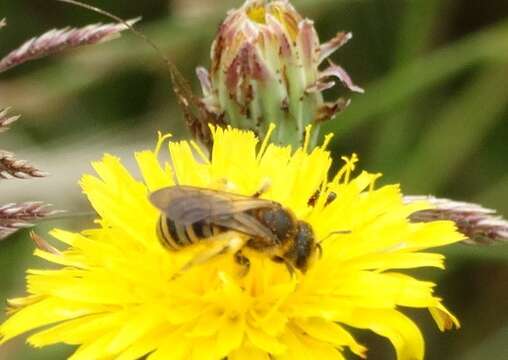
434, 118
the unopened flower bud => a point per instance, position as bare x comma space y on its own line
266, 69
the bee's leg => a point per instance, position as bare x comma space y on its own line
291, 268
319, 249
264, 188
220, 244
243, 261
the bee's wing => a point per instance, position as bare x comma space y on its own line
246, 224
187, 205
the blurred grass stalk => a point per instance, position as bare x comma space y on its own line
480, 225
417, 29
405, 82
466, 119
489, 348
491, 195
58, 40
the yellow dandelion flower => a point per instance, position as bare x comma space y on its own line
115, 294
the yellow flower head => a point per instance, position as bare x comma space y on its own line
116, 296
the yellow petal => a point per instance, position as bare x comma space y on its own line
302, 347
230, 336
265, 342
135, 328
44, 312
174, 346
444, 319
145, 345
249, 353
187, 171
204, 349
207, 325
400, 330
94, 349
332, 333
154, 176
433, 234
78, 331
295, 349
397, 260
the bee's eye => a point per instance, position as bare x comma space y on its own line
304, 245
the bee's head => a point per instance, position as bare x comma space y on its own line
303, 248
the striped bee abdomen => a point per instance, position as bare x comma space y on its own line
174, 236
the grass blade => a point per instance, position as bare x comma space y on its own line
457, 131
404, 83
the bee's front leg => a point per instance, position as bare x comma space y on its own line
291, 268
227, 242
243, 261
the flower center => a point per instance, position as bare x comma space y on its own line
257, 14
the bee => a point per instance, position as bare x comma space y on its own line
190, 215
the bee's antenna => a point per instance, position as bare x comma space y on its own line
339, 232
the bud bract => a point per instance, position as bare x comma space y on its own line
265, 68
